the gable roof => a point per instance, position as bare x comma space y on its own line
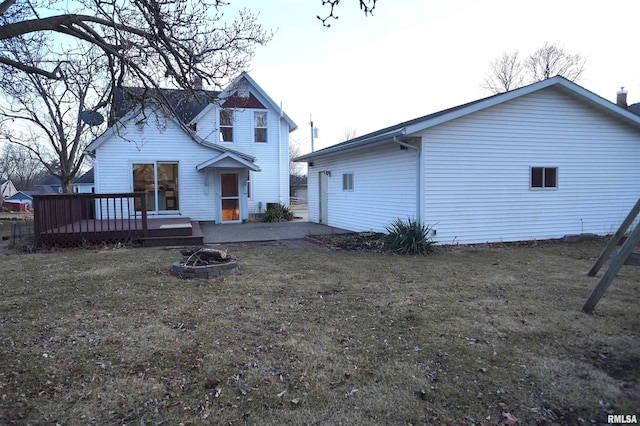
229, 98
133, 114
189, 110
86, 178
21, 195
228, 160
418, 124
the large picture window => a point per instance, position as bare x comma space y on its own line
260, 126
159, 182
544, 177
226, 125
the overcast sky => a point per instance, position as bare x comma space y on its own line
416, 57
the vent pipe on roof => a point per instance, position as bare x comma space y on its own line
621, 98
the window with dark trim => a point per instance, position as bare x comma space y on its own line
226, 125
347, 181
544, 177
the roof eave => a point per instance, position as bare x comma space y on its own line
356, 144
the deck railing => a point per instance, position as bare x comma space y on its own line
72, 219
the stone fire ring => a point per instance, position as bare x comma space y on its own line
229, 267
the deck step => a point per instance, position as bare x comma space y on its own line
170, 227
194, 237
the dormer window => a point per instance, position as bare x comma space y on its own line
226, 125
260, 126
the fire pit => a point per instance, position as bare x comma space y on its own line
204, 263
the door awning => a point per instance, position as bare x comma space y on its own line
228, 160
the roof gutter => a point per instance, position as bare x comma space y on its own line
349, 145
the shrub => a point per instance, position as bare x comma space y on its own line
277, 213
410, 237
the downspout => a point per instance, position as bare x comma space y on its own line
418, 175
280, 157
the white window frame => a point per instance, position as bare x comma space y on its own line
347, 182
265, 127
544, 186
220, 125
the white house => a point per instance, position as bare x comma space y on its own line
539, 162
84, 184
218, 160
7, 189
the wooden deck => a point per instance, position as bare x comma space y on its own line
160, 232
70, 220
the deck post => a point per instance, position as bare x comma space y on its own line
143, 198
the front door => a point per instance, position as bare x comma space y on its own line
230, 198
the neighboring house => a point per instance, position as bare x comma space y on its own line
298, 189
7, 189
48, 185
539, 162
214, 161
84, 184
19, 201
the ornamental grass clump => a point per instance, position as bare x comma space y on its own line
277, 213
408, 237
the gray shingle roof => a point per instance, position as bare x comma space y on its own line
186, 105
85, 178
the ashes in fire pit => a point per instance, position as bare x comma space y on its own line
204, 263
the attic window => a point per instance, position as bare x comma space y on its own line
544, 177
226, 125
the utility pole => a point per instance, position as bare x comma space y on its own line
314, 131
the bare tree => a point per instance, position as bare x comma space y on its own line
551, 60
508, 72
44, 116
19, 166
367, 6
144, 42
295, 169
348, 134
50, 82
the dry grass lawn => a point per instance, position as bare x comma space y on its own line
472, 335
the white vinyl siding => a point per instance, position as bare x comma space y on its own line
477, 171
386, 189
167, 142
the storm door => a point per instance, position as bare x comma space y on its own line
230, 197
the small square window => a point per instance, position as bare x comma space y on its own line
347, 182
544, 177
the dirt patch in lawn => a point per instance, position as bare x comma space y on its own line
357, 241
